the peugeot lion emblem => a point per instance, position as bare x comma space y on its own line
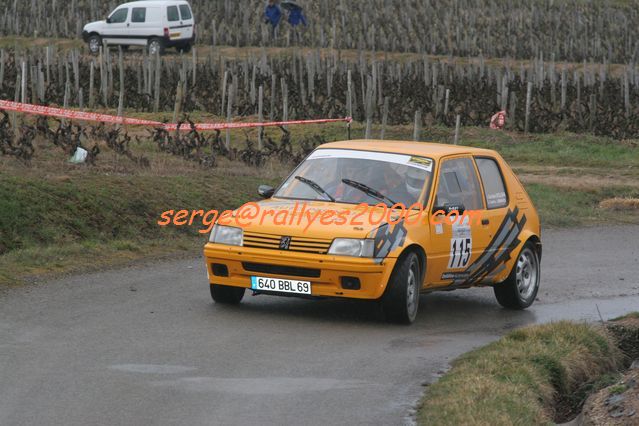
285, 242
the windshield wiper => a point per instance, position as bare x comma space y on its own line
316, 187
368, 191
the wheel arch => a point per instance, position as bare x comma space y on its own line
536, 241
421, 255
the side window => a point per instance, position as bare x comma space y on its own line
185, 11
138, 14
172, 14
119, 16
493, 181
458, 183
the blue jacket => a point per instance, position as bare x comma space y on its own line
295, 17
273, 15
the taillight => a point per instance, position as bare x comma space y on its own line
166, 32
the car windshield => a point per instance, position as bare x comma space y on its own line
396, 177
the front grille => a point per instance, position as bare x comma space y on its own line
281, 270
300, 244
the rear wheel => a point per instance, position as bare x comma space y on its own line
401, 298
156, 45
94, 42
227, 295
520, 288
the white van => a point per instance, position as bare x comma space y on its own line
156, 24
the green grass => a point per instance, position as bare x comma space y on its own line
49, 225
520, 378
563, 207
631, 315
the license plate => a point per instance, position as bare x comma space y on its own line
281, 285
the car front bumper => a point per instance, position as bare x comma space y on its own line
325, 272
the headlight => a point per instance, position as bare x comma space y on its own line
352, 247
228, 235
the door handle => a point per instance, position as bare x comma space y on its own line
485, 221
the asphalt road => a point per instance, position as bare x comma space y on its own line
146, 345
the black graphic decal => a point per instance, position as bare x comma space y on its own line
387, 240
494, 258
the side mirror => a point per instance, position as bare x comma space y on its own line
265, 191
448, 208
108, 20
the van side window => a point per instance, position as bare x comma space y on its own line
119, 16
493, 181
172, 13
138, 14
458, 184
185, 11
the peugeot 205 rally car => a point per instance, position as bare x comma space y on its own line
401, 218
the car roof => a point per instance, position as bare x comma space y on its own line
424, 149
151, 3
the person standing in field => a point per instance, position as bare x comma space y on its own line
273, 15
295, 18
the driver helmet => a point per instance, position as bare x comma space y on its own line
415, 178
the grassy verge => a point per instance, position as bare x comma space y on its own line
91, 220
56, 217
530, 376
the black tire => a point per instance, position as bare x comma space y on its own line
520, 289
94, 42
155, 43
400, 301
185, 48
227, 295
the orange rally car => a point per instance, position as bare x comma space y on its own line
401, 218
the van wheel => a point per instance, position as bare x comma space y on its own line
185, 48
520, 288
94, 42
156, 45
227, 295
401, 298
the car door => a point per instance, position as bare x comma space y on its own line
187, 21
173, 19
455, 240
497, 219
116, 30
142, 21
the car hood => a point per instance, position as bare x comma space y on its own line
312, 219
93, 25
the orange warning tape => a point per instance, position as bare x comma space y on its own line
106, 118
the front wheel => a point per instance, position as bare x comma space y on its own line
520, 288
94, 42
401, 298
155, 45
227, 295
